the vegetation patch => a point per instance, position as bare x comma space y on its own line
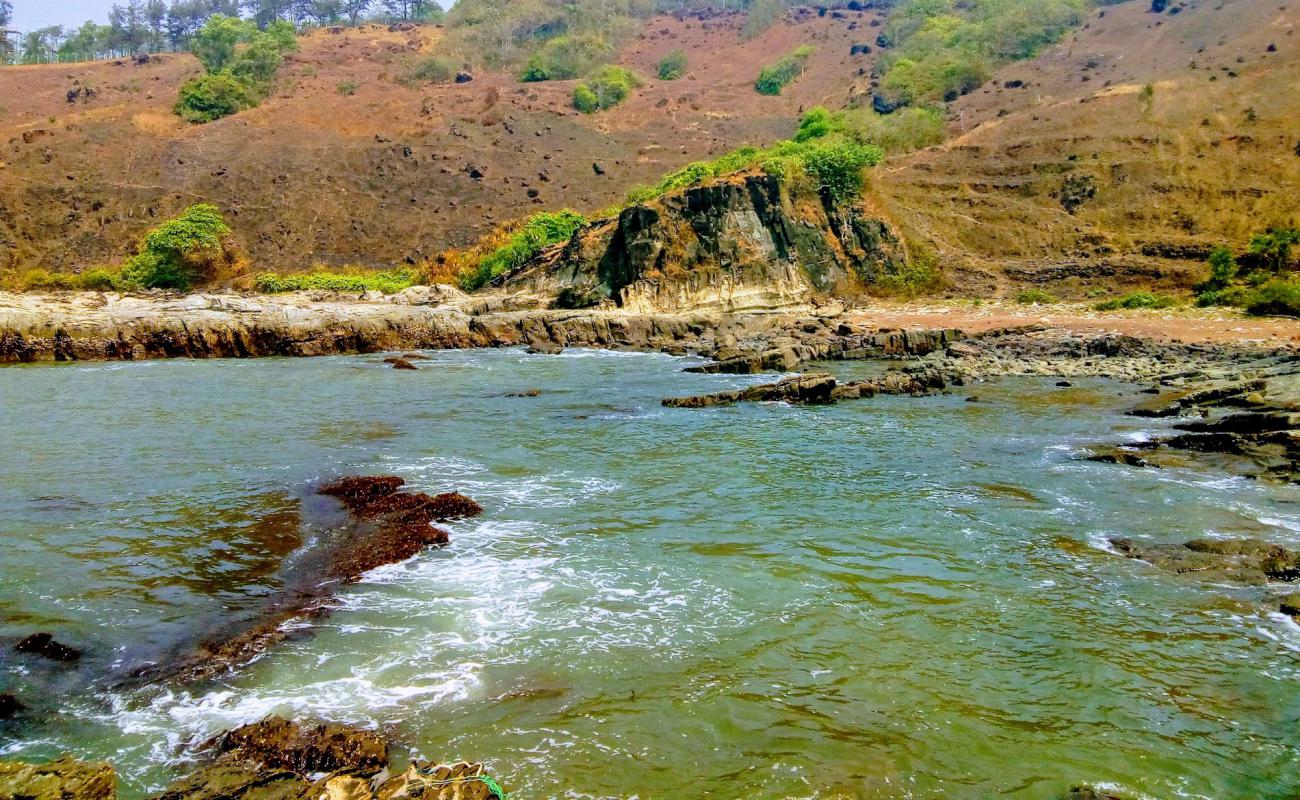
606, 88
672, 66
937, 50
241, 63
190, 249
1137, 300
775, 77
566, 57
434, 69
1263, 281
388, 282
1036, 297
511, 246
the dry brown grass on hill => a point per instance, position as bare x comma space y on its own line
384, 176
1205, 156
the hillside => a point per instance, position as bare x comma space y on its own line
383, 176
1177, 130
1209, 155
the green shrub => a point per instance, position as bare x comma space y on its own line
904, 131
837, 166
565, 57
1272, 249
775, 77
919, 276
1276, 297
1036, 297
434, 69
347, 88
1223, 269
236, 79
606, 88
214, 44
1137, 300
183, 251
211, 97
585, 100
386, 282
100, 280
537, 232
672, 66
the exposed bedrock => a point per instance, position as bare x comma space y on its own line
739, 244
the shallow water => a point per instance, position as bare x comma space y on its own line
891, 598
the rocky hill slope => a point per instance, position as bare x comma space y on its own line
1174, 131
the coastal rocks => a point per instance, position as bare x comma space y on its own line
277, 759
62, 779
1242, 561
1290, 604
43, 644
737, 244
9, 706
278, 743
384, 526
397, 362
816, 389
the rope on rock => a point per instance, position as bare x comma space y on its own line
486, 780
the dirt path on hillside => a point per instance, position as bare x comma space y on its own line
1184, 325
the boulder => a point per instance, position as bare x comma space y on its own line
62, 779
1290, 604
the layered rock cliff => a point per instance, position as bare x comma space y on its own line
742, 244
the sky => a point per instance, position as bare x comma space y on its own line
30, 14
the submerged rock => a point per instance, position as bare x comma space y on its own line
1246, 561
43, 644
400, 363
9, 706
62, 779
1290, 604
1090, 793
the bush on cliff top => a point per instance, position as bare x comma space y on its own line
511, 246
1137, 300
236, 79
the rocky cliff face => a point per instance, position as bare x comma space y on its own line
741, 244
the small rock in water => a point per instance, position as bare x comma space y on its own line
43, 644
1064, 384
544, 348
525, 393
973, 399
1290, 605
9, 706
400, 363
278, 743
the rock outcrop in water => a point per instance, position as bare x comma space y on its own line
277, 759
742, 243
383, 525
817, 389
44, 645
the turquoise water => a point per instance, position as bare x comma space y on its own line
891, 598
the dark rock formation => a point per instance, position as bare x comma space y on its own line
63, 779
43, 644
816, 389
399, 363
9, 706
